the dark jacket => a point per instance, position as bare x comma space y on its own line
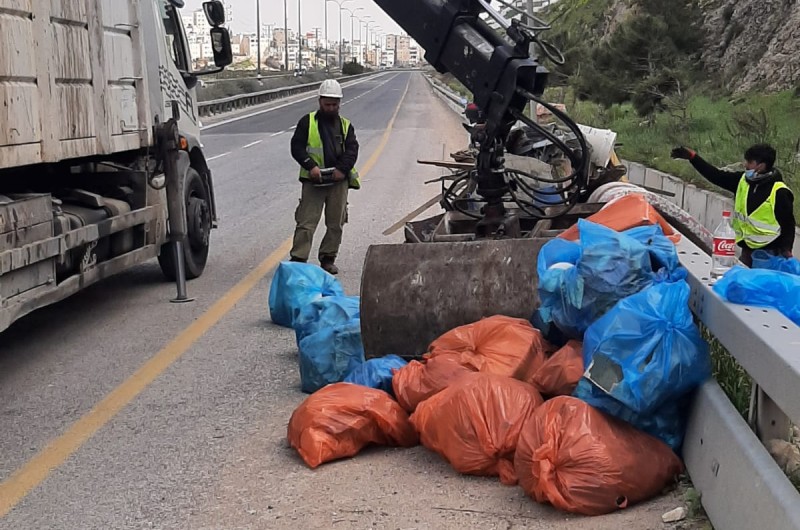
340, 152
759, 193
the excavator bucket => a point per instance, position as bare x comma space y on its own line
414, 292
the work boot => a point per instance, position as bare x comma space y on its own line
298, 260
328, 265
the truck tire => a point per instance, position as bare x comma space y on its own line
198, 223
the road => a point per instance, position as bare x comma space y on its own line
121, 410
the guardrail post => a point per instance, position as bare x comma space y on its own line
770, 421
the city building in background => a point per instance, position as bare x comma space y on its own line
307, 49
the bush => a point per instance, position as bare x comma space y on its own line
353, 68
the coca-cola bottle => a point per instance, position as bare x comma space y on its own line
724, 256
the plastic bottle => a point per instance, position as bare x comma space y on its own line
724, 256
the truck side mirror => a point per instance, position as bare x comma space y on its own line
215, 12
221, 46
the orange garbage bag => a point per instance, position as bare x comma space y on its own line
580, 460
341, 419
560, 374
624, 213
417, 381
475, 423
498, 345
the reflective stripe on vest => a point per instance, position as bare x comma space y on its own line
760, 228
317, 152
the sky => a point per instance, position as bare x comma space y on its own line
311, 14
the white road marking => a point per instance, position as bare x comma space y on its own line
370, 90
277, 133
264, 111
293, 127
252, 144
218, 156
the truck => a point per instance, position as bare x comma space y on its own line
101, 164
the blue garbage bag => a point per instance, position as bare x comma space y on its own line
610, 267
376, 373
762, 288
667, 423
330, 354
646, 352
327, 312
764, 260
557, 250
664, 258
295, 285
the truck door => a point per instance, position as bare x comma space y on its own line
175, 69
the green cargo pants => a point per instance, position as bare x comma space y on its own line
307, 216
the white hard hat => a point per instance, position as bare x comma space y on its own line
330, 88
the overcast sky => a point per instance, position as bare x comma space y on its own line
312, 15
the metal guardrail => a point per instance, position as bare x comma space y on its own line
240, 101
724, 457
455, 101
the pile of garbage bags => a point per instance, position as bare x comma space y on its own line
590, 419
579, 281
327, 327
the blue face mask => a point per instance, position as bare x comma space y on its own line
750, 173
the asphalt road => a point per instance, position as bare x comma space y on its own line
197, 438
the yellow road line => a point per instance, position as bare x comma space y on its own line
35, 471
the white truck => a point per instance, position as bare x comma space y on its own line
101, 166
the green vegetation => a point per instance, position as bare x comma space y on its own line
730, 375
634, 66
719, 128
353, 68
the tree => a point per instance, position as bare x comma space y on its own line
352, 68
651, 53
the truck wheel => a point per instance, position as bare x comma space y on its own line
198, 223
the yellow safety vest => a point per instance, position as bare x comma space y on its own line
759, 228
317, 153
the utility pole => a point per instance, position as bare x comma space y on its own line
258, 36
316, 48
285, 36
325, 3
299, 39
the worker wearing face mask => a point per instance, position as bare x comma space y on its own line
764, 205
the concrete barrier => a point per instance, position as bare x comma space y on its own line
677, 188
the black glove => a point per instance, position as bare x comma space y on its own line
683, 153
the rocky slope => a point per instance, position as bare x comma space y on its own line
754, 44
748, 44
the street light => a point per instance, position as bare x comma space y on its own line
362, 20
377, 34
285, 36
352, 16
299, 40
258, 36
339, 3
369, 41
316, 47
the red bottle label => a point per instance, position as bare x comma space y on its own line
724, 247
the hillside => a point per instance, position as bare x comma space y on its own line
733, 45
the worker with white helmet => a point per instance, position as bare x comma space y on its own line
325, 146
